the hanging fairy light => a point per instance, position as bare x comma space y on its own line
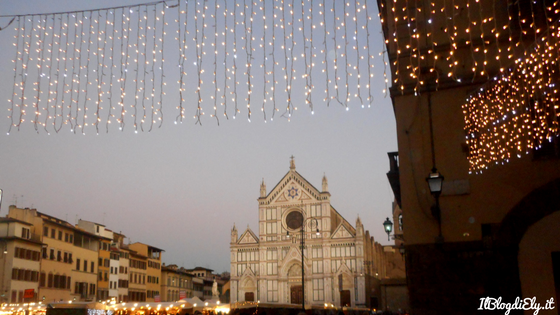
104, 68
517, 112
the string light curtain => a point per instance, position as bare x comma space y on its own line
518, 112
107, 69
92, 68
270, 57
509, 49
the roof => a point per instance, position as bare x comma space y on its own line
15, 238
149, 246
62, 223
200, 268
8, 220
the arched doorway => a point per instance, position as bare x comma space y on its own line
525, 243
247, 289
346, 285
296, 288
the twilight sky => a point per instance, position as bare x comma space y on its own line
181, 187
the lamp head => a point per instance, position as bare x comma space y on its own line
388, 226
435, 181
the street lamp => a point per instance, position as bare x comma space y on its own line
388, 226
435, 182
302, 244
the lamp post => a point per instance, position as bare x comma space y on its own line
302, 244
388, 227
435, 182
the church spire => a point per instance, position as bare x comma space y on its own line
325, 183
292, 163
234, 234
263, 189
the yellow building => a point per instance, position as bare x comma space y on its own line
85, 272
176, 283
20, 261
475, 97
151, 277
104, 257
58, 253
138, 265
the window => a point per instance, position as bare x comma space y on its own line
45, 231
45, 255
318, 290
272, 268
59, 256
85, 265
70, 257
42, 279
317, 252
92, 269
53, 233
66, 237
50, 280
25, 233
100, 261
272, 290
65, 257
52, 254
317, 266
272, 254
60, 235
78, 264
71, 238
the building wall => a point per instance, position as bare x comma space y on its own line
137, 278
152, 273
114, 273
124, 281
85, 268
173, 281
483, 216
153, 282
104, 270
57, 237
20, 256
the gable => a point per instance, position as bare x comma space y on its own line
293, 187
342, 232
248, 238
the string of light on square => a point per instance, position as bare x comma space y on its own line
290, 29
104, 68
73, 64
517, 112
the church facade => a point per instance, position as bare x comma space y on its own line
341, 262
